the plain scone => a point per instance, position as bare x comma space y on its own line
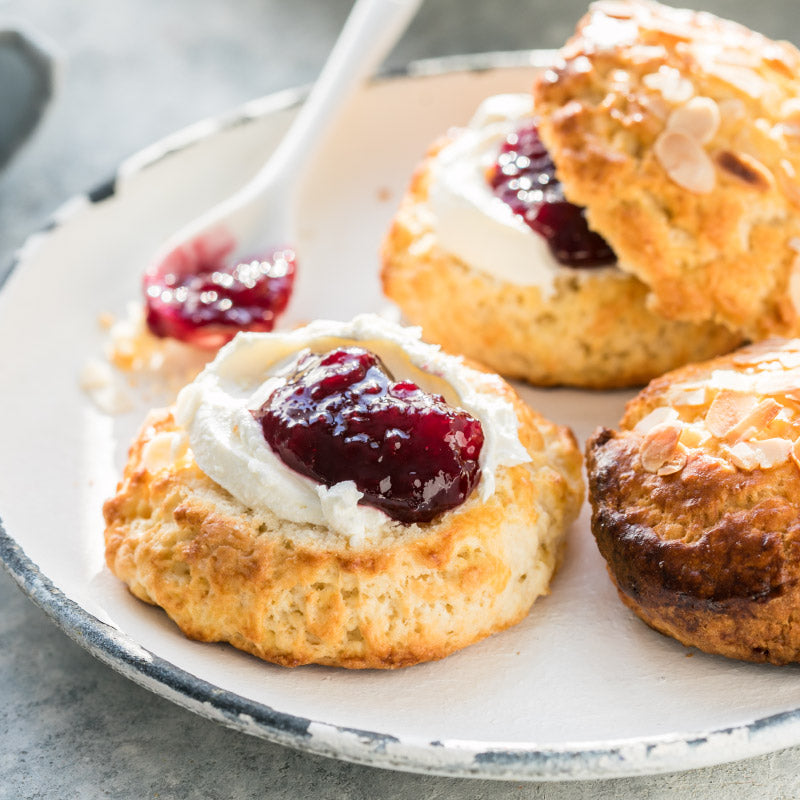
594, 332
696, 503
297, 594
680, 134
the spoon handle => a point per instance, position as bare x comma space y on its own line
370, 32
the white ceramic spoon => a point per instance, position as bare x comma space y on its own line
261, 216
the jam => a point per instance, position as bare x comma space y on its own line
201, 297
524, 177
341, 417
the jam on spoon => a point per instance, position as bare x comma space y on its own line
199, 296
341, 417
524, 177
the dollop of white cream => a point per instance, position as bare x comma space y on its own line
475, 225
229, 446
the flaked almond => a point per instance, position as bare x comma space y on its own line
688, 394
607, 33
746, 169
619, 9
693, 436
727, 410
794, 244
675, 464
740, 77
790, 110
674, 88
789, 360
656, 417
742, 456
646, 53
771, 452
757, 354
780, 382
757, 420
699, 118
733, 380
795, 452
732, 109
679, 31
659, 446
787, 180
764, 454
685, 162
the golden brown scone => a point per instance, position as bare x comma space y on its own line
696, 503
297, 594
679, 133
594, 332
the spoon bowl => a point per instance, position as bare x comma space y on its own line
232, 268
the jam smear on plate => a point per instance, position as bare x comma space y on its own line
200, 296
341, 417
524, 177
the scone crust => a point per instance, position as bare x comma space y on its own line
708, 553
595, 332
294, 594
710, 226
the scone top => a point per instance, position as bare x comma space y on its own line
742, 411
679, 133
224, 409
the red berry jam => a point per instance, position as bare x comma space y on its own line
524, 177
341, 417
199, 297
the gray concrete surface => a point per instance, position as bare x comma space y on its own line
134, 70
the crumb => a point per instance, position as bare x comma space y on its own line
384, 194
137, 365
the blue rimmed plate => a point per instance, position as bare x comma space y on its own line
580, 689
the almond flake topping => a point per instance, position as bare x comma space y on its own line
656, 417
757, 420
732, 109
727, 410
675, 464
673, 86
660, 446
765, 454
619, 9
693, 436
687, 394
698, 119
685, 162
742, 78
795, 452
782, 382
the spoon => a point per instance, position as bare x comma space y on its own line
233, 267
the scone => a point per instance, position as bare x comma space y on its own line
343, 494
680, 134
696, 503
486, 254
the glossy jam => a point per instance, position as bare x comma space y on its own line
524, 177
199, 297
341, 417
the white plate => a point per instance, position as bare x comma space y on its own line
580, 689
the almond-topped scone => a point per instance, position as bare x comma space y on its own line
696, 503
680, 134
491, 259
343, 494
